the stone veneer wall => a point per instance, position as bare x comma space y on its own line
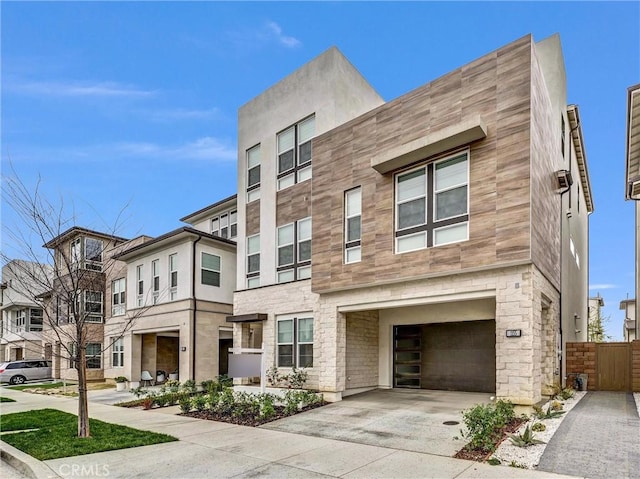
523, 364
581, 358
362, 349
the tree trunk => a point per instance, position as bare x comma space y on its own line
83, 407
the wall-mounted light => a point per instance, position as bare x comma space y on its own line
183, 349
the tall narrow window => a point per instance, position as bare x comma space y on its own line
294, 153
304, 249
93, 254
173, 277
210, 271
118, 297
352, 225
253, 261
117, 353
155, 283
432, 204
93, 306
140, 285
562, 135
233, 224
36, 316
253, 173
295, 342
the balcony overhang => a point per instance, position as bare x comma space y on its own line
454, 136
247, 318
632, 191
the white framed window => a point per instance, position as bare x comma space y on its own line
253, 261
21, 320
94, 356
225, 225
93, 306
253, 173
86, 253
294, 153
432, 204
210, 271
155, 279
36, 318
140, 284
294, 251
295, 341
173, 276
353, 225
117, 353
118, 297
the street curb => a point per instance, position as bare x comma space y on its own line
25, 464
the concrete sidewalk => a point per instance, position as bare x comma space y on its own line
214, 449
599, 438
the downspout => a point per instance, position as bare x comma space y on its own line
194, 309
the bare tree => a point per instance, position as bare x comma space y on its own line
67, 278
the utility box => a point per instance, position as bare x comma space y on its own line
584, 377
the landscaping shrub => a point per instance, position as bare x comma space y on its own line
484, 423
189, 386
185, 404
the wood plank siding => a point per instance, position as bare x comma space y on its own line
498, 87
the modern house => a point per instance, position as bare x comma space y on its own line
632, 180
83, 266
629, 331
438, 240
22, 317
179, 293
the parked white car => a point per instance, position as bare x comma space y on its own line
17, 372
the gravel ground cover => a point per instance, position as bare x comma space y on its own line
528, 457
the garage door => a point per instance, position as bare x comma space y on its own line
458, 356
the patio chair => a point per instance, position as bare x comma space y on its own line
146, 377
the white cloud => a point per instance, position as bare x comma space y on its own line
178, 114
276, 31
603, 286
77, 89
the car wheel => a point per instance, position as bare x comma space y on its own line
18, 380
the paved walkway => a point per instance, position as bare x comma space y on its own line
599, 438
221, 450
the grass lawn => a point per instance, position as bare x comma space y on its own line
56, 435
4, 399
39, 386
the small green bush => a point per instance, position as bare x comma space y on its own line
567, 393
484, 422
189, 386
185, 404
199, 402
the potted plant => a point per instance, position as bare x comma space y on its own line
173, 376
121, 383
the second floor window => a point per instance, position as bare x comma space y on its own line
140, 285
173, 277
253, 261
294, 153
155, 273
352, 225
36, 316
92, 306
118, 297
294, 251
210, 272
432, 204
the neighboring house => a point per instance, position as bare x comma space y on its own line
177, 291
22, 315
632, 179
595, 325
84, 265
629, 328
439, 240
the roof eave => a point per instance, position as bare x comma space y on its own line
632, 151
581, 155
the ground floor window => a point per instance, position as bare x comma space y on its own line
295, 342
94, 356
117, 354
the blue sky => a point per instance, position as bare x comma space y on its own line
116, 104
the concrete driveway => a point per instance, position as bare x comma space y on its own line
407, 419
